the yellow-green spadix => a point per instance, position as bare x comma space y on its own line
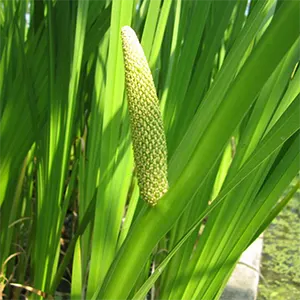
148, 136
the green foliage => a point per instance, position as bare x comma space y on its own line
71, 213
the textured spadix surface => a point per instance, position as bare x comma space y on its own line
148, 136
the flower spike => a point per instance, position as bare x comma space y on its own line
148, 136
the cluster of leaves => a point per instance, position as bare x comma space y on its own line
226, 75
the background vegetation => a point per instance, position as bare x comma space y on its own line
280, 261
71, 217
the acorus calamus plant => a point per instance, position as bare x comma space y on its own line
134, 171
